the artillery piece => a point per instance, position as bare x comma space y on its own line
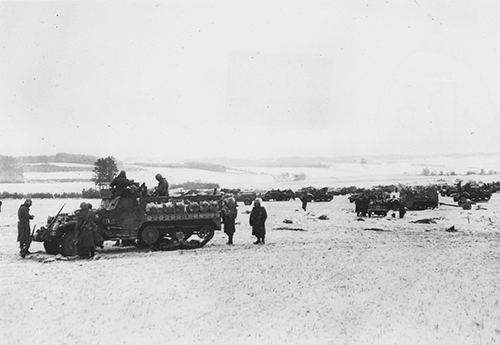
160, 223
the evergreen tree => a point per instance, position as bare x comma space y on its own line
104, 171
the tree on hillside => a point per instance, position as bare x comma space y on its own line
104, 170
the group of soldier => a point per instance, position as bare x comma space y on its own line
257, 219
121, 185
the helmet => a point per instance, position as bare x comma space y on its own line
158, 176
83, 205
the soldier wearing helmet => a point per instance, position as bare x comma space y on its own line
229, 213
162, 188
85, 224
120, 184
23, 225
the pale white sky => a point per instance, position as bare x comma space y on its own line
185, 79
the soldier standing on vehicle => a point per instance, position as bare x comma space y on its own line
229, 213
162, 188
23, 225
85, 223
258, 218
119, 184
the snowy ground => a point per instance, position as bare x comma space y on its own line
334, 283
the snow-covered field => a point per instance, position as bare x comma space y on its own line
333, 283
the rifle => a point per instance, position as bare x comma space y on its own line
55, 218
24, 251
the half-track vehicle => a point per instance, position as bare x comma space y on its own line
379, 207
160, 223
278, 195
315, 194
419, 197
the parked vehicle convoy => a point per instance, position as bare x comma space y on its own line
160, 223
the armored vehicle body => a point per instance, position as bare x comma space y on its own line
158, 222
419, 198
278, 195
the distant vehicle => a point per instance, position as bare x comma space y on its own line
419, 198
317, 195
246, 197
158, 222
278, 195
472, 191
379, 207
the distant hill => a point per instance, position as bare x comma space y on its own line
10, 170
59, 158
45, 167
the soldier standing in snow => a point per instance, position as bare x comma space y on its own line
229, 213
23, 225
305, 199
258, 218
85, 224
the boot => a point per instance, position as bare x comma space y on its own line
263, 242
258, 241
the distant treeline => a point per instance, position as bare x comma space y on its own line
428, 172
195, 185
85, 194
186, 165
92, 193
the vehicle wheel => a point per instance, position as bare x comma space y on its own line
69, 244
205, 234
128, 242
52, 247
149, 235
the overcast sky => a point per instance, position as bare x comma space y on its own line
186, 79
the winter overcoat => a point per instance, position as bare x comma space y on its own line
258, 218
23, 224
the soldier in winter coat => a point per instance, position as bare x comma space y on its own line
258, 218
229, 213
23, 224
85, 223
